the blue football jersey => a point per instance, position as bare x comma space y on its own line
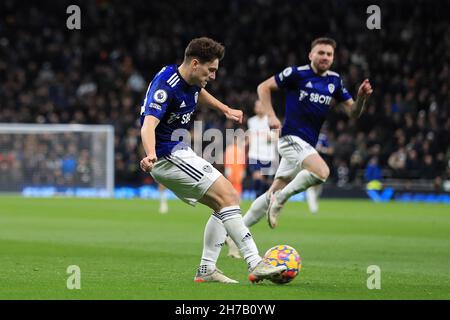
308, 99
173, 101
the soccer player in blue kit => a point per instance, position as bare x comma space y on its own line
309, 92
169, 103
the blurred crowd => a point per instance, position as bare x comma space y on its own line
99, 74
49, 159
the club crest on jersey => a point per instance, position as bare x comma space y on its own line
160, 96
287, 72
207, 168
331, 87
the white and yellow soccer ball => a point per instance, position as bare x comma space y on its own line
284, 255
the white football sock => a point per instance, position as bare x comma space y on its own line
311, 199
213, 240
257, 210
236, 229
162, 195
163, 205
303, 180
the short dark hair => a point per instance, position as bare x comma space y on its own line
204, 49
323, 40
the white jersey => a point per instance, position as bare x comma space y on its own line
262, 146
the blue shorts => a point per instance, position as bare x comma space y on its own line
257, 165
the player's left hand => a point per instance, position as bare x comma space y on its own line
365, 89
234, 114
148, 163
274, 122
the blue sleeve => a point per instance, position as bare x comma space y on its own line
288, 78
341, 94
157, 99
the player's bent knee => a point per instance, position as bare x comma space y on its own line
226, 195
227, 200
230, 197
323, 173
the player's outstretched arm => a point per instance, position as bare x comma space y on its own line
354, 109
149, 142
205, 98
264, 95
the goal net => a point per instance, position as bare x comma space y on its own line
57, 159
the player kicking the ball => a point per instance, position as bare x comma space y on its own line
309, 91
170, 101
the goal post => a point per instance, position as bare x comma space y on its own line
57, 159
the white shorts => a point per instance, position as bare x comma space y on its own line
293, 150
185, 174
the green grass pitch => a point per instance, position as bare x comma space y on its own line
127, 250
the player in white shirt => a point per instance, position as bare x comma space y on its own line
261, 151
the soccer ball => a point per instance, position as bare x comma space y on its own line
284, 255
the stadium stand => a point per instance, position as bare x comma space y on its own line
99, 75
